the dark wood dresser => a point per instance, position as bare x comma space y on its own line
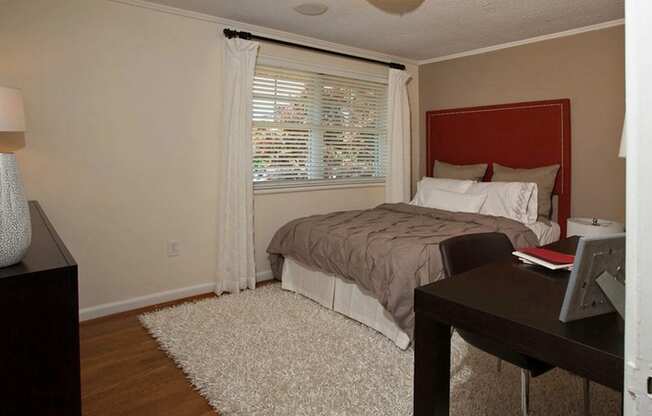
39, 320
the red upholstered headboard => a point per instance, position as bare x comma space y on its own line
520, 135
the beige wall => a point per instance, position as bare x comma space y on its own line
123, 107
587, 68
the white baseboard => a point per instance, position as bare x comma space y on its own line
154, 299
143, 301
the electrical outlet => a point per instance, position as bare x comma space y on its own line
174, 248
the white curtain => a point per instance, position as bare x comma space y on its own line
397, 184
235, 239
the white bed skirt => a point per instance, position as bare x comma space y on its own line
343, 296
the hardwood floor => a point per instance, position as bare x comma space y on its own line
124, 373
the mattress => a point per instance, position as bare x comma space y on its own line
345, 297
388, 250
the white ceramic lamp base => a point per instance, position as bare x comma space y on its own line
15, 223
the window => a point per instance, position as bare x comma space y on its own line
311, 128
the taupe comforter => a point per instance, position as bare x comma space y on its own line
388, 250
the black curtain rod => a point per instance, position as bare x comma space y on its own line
230, 33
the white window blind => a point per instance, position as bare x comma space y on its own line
311, 128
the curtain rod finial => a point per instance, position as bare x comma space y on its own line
230, 34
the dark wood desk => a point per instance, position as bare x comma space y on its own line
517, 305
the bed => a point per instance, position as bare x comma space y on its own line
361, 263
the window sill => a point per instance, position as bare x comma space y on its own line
267, 189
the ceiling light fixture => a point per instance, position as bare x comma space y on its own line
311, 9
399, 7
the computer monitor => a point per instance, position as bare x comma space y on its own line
595, 256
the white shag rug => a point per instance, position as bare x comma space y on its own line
271, 352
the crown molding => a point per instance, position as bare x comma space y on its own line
264, 31
487, 49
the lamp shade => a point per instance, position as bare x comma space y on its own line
12, 110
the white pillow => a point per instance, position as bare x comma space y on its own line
514, 200
450, 185
426, 185
452, 201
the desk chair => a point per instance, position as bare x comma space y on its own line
466, 252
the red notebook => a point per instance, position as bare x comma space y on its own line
550, 256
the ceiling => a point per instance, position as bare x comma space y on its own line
436, 28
